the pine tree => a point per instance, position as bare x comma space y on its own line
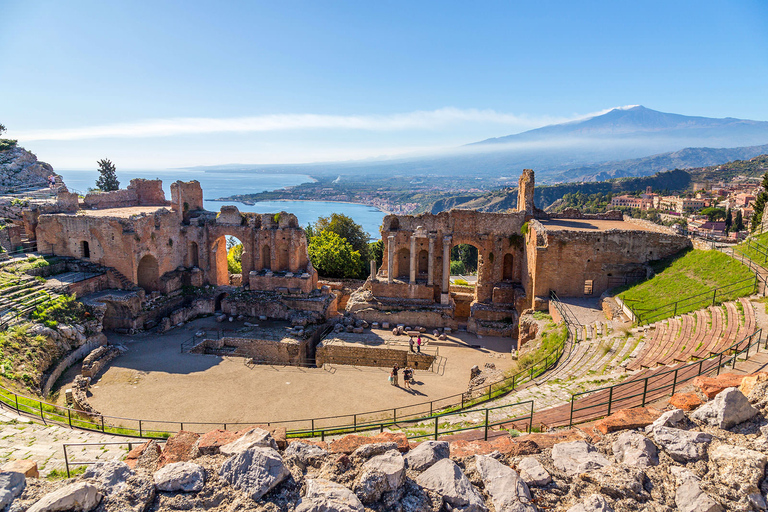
107, 180
759, 205
738, 224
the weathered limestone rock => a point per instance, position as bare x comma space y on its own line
145, 456
12, 484
627, 419
381, 474
306, 454
81, 497
682, 445
28, 468
750, 382
739, 467
326, 496
729, 408
505, 487
446, 479
712, 386
255, 471
577, 457
111, 475
689, 497
634, 449
256, 437
533, 473
426, 454
180, 476
369, 450
180, 447
210, 442
594, 503
668, 419
619, 481
352, 442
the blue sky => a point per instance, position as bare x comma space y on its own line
157, 84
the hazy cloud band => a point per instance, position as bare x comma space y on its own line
418, 120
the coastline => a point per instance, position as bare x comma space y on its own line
220, 200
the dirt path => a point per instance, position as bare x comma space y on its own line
154, 381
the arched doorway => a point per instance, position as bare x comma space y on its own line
266, 258
423, 265
403, 270
148, 273
227, 261
194, 255
509, 269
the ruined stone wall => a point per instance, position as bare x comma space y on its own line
286, 351
573, 213
410, 240
343, 354
525, 192
564, 261
140, 192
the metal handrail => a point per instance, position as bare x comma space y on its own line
702, 369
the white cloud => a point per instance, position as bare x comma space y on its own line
418, 120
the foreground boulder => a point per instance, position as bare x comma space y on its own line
11, 485
577, 457
689, 497
505, 487
533, 473
80, 496
111, 475
712, 386
634, 449
180, 476
381, 474
253, 438
594, 503
738, 467
446, 479
682, 445
255, 472
180, 447
728, 409
326, 496
627, 419
305, 453
426, 454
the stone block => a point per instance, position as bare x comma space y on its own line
750, 382
711, 386
685, 401
180, 447
28, 468
352, 442
627, 419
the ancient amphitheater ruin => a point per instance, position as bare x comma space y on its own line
267, 390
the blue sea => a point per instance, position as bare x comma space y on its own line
225, 184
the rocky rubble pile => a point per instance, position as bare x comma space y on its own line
20, 169
708, 460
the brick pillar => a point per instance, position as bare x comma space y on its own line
413, 259
445, 296
431, 263
390, 258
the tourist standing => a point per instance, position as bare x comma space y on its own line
407, 376
418, 344
395, 369
410, 343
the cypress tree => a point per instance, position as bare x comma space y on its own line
107, 180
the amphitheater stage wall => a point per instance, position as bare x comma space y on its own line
353, 355
287, 351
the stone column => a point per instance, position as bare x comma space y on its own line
413, 259
445, 296
390, 258
431, 263
373, 270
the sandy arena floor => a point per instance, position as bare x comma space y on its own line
154, 381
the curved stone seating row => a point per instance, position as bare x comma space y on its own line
696, 335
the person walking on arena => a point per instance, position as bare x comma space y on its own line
394, 375
418, 344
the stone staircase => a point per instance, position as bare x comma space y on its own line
19, 296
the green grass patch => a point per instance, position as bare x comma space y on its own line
689, 279
755, 249
60, 474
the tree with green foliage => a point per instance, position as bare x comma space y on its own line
759, 205
353, 233
467, 255
713, 213
107, 181
728, 220
376, 252
738, 224
2, 129
333, 256
235, 259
